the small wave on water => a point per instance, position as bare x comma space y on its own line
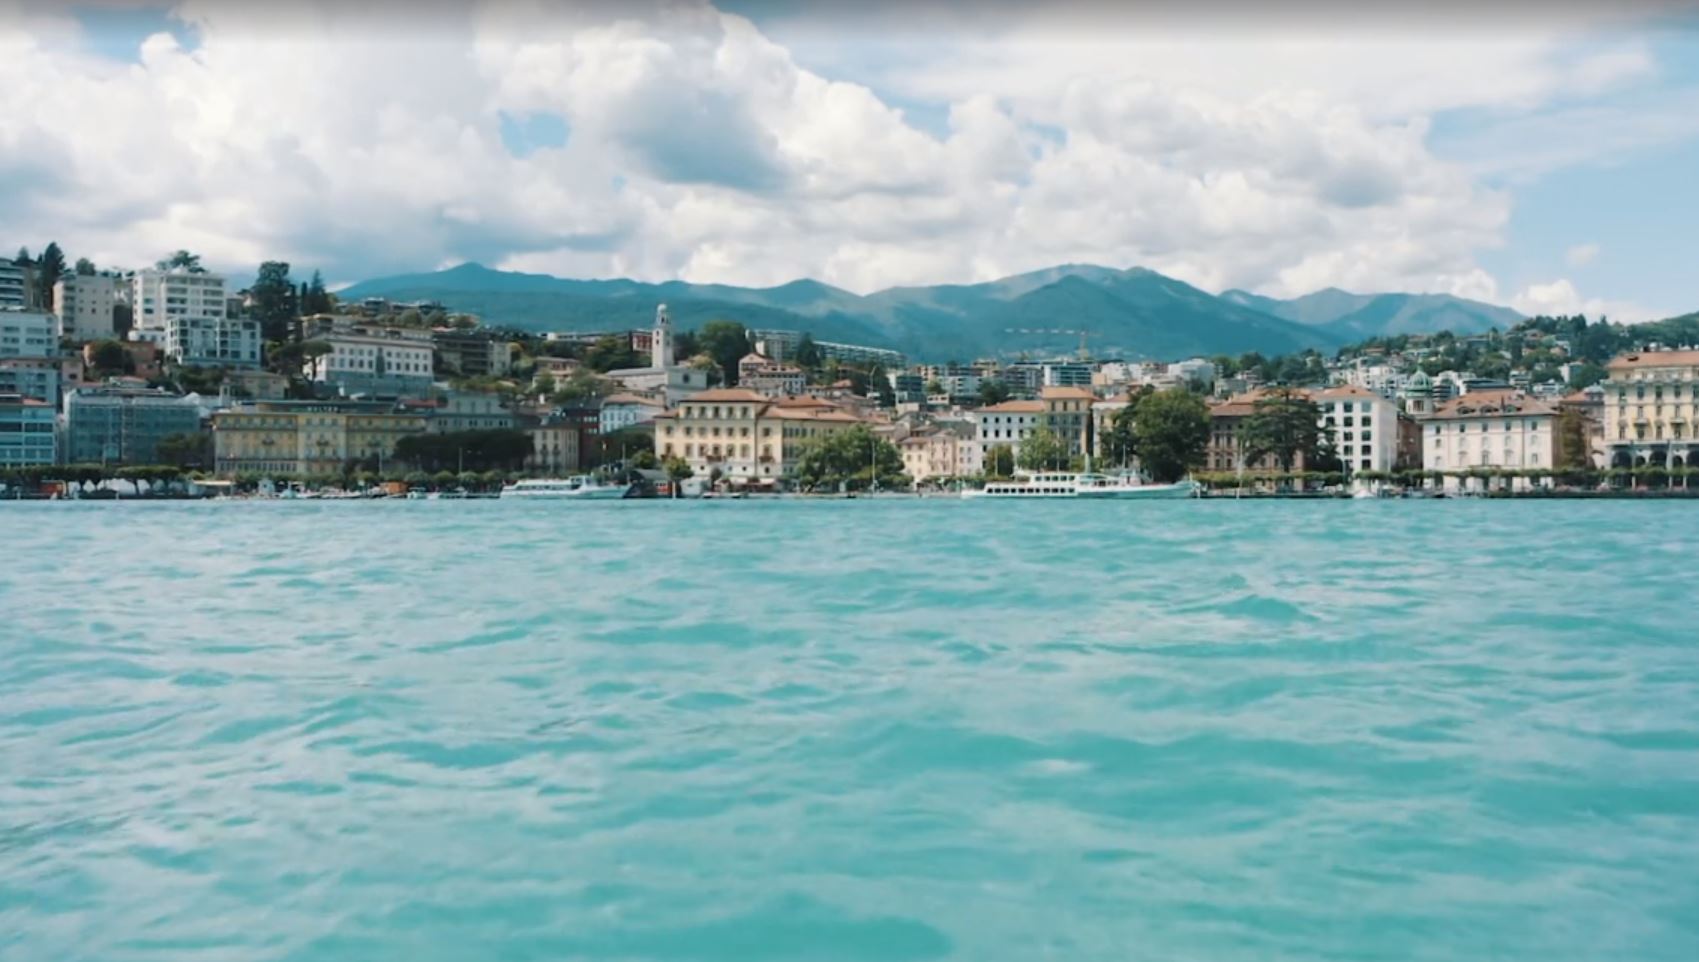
871, 730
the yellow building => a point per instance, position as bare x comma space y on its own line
307, 437
745, 435
1067, 413
1650, 409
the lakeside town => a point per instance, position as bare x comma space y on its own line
165, 381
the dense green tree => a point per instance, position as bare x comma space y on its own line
191, 450
849, 458
612, 353
993, 391
1573, 450
48, 270
85, 267
1043, 450
465, 450
1170, 430
1119, 442
275, 301
109, 358
685, 346
726, 342
316, 300
807, 353
123, 319
23, 259
1000, 461
182, 259
1285, 424
879, 385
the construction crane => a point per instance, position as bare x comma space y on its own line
1084, 353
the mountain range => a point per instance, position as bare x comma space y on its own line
1133, 313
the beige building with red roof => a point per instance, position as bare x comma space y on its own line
747, 437
1651, 407
1490, 429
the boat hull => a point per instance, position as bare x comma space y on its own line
1142, 492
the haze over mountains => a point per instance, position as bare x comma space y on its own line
1132, 313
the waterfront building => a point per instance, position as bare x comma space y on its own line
1409, 444
1067, 413
564, 440
84, 305
14, 286
123, 421
307, 437
473, 353
940, 452
27, 435
746, 436
1007, 423
27, 333
1651, 408
1364, 425
367, 358
621, 411
1503, 429
1104, 411
1588, 404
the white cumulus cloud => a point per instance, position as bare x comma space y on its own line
698, 147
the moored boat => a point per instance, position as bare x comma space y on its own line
581, 487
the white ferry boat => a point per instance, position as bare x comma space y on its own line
1045, 485
582, 487
1070, 485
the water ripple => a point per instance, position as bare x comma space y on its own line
902, 730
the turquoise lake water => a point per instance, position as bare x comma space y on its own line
893, 730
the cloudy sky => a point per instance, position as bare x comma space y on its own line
1541, 156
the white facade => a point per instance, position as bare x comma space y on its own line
1007, 424
213, 342
83, 304
1504, 430
27, 334
14, 286
624, 410
360, 363
160, 296
1365, 427
661, 340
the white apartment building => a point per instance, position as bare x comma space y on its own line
184, 312
1007, 423
159, 296
1504, 429
27, 333
375, 360
1364, 424
14, 286
83, 304
213, 342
